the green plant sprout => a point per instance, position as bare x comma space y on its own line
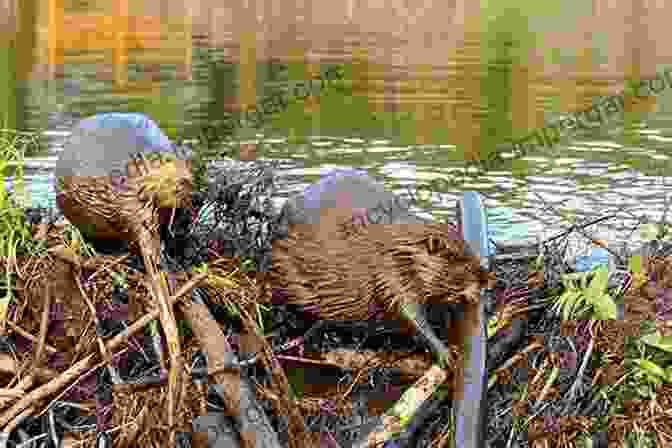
658, 341
219, 281
652, 373
495, 324
15, 232
537, 264
119, 280
581, 297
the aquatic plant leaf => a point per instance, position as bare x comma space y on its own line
567, 302
658, 341
572, 281
495, 324
604, 306
598, 284
651, 368
573, 307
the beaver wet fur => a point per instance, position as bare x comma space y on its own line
344, 271
101, 184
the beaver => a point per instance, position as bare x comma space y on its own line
100, 183
368, 200
346, 269
109, 190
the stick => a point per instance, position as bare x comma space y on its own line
210, 336
582, 231
30, 337
167, 318
44, 324
101, 345
86, 363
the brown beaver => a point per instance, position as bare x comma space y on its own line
102, 187
345, 271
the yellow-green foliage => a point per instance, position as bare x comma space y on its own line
15, 233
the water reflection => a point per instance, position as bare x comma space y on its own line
409, 112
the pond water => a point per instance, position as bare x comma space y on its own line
371, 121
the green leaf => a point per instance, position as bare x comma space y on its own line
635, 264
651, 368
604, 307
599, 283
569, 281
494, 325
568, 302
567, 299
658, 341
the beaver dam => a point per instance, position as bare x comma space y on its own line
83, 357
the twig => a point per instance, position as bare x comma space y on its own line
77, 369
101, 345
581, 230
88, 265
31, 442
137, 423
445, 436
44, 325
83, 375
547, 387
307, 361
584, 363
158, 287
360, 373
109, 431
12, 424
575, 226
210, 336
139, 386
539, 373
147, 318
29, 336
513, 429
14, 393
514, 359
